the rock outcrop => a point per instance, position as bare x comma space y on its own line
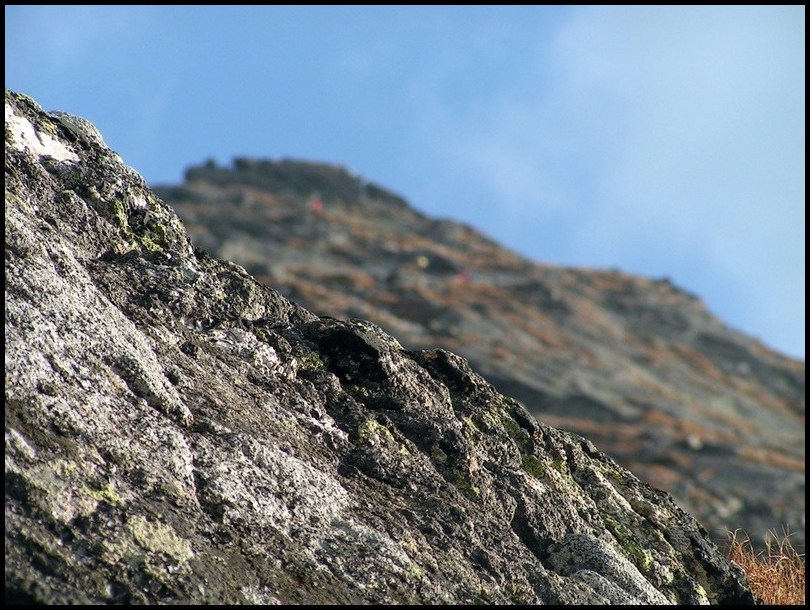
638, 366
177, 432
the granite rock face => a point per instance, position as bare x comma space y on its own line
177, 432
638, 366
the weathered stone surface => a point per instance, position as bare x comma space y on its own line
638, 366
177, 432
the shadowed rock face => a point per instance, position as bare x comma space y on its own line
638, 366
177, 432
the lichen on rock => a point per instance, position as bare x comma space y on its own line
177, 432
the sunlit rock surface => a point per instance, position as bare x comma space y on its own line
177, 432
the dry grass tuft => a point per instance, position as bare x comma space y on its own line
776, 574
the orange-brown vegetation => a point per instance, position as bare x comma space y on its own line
776, 574
772, 458
700, 361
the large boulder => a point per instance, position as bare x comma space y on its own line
177, 432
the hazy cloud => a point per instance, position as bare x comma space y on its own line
669, 138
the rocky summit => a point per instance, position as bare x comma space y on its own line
178, 432
638, 366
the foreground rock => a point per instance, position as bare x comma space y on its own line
638, 366
177, 432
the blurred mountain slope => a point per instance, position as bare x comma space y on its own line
637, 365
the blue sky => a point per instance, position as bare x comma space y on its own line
659, 141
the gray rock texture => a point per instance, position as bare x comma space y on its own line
638, 366
177, 432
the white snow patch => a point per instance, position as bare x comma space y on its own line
26, 137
